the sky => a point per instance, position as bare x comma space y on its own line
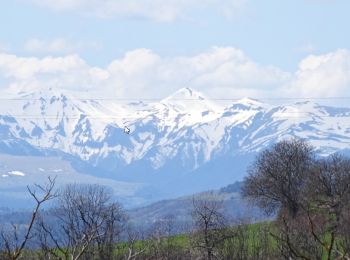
150, 48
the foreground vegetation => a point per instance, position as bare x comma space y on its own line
309, 197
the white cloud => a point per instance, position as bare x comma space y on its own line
160, 10
55, 46
143, 73
69, 72
324, 75
218, 72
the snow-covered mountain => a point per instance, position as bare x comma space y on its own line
185, 139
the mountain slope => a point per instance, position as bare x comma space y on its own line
183, 144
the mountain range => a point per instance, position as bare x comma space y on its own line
179, 145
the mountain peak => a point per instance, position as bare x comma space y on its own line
185, 94
248, 103
251, 101
191, 101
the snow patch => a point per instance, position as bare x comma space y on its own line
16, 173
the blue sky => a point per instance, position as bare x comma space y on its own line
259, 47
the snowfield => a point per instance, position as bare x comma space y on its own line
175, 145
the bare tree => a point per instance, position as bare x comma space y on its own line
294, 238
134, 251
328, 201
311, 197
209, 225
344, 243
83, 217
13, 242
109, 233
278, 176
163, 243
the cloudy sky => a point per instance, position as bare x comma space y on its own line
151, 48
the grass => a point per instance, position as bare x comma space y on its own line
182, 242
253, 240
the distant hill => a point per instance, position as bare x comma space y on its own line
179, 210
